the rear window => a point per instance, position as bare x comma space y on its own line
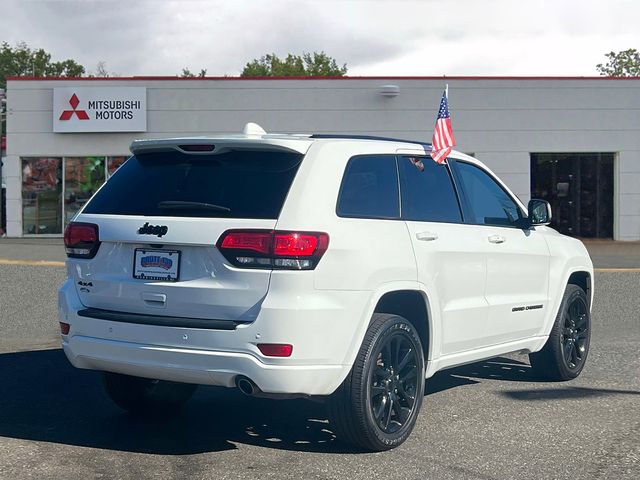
234, 184
370, 188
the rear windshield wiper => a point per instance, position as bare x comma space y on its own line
178, 204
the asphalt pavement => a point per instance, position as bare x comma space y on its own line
489, 420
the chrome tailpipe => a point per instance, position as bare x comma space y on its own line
247, 386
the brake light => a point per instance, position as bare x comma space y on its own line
64, 328
298, 244
81, 240
254, 241
198, 147
273, 249
275, 349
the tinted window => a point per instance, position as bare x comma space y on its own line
236, 184
489, 203
370, 188
427, 191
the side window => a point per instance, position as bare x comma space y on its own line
489, 203
427, 191
370, 188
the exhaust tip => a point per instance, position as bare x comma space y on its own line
246, 386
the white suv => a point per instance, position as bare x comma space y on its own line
314, 265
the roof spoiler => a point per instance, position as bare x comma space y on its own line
253, 137
213, 146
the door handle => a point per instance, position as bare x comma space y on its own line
497, 239
427, 236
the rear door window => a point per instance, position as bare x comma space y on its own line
234, 184
428, 194
370, 188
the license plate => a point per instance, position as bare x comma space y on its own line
155, 264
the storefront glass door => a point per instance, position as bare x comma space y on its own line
42, 195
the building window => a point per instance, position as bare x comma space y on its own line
579, 187
83, 176
54, 189
42, 195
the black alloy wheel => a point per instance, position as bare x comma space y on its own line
377, 405
564, 355
575, 333
393, 383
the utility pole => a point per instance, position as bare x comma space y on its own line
3, 101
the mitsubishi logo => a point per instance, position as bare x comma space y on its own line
67, 114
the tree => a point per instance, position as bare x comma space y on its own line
21, 60
186, 73
101, 69
622, 64
308, 65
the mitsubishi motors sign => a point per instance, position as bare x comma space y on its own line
99, 109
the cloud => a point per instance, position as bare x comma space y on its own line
85, 31
225, 40
374, 37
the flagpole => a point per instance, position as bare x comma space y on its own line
446, 89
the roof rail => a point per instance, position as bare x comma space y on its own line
367, 137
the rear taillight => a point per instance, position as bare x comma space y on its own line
273, 249
81, 240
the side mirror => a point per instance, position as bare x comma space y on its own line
539, 212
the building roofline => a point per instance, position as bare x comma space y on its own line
196, 79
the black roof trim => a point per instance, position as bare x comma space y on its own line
367, 137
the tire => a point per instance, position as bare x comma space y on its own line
377, 405
144, 396
564, 355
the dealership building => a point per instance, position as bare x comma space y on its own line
572, 141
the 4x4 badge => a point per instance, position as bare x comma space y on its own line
158, 230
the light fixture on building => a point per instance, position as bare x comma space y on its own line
389, 91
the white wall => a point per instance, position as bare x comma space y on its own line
500, 120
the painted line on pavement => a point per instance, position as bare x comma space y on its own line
53, 263
32, 263
609, 270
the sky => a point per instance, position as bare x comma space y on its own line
373, 37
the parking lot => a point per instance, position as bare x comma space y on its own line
492, 419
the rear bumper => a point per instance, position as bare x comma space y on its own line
199, 366
323, 327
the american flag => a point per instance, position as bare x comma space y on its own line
443, 138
